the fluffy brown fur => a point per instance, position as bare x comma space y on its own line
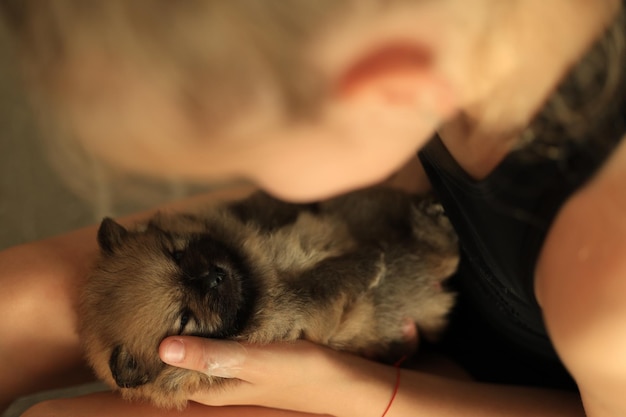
343, 273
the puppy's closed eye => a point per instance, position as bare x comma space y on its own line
186, 320
177, 255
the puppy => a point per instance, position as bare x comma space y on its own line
343, 273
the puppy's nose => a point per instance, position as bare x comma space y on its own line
213, 276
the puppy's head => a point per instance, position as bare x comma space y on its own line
176, 275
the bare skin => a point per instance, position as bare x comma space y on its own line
585, 321
584, 314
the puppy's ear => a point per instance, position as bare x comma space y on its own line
110, 235
127, 371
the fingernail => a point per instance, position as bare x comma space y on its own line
173, 351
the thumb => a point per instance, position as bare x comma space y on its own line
217, 358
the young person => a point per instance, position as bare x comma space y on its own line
310, 99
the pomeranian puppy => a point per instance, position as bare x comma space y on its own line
344, 273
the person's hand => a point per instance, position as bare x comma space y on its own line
299, 376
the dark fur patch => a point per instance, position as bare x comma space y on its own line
127, 371
267, 212
234, 298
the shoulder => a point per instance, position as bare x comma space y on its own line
581, 283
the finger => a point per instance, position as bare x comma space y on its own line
218, 358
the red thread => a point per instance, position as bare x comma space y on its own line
397, 386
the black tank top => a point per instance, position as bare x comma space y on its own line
497, 331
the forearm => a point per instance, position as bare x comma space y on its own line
419, 394
428, 395
107, 404
39, 347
